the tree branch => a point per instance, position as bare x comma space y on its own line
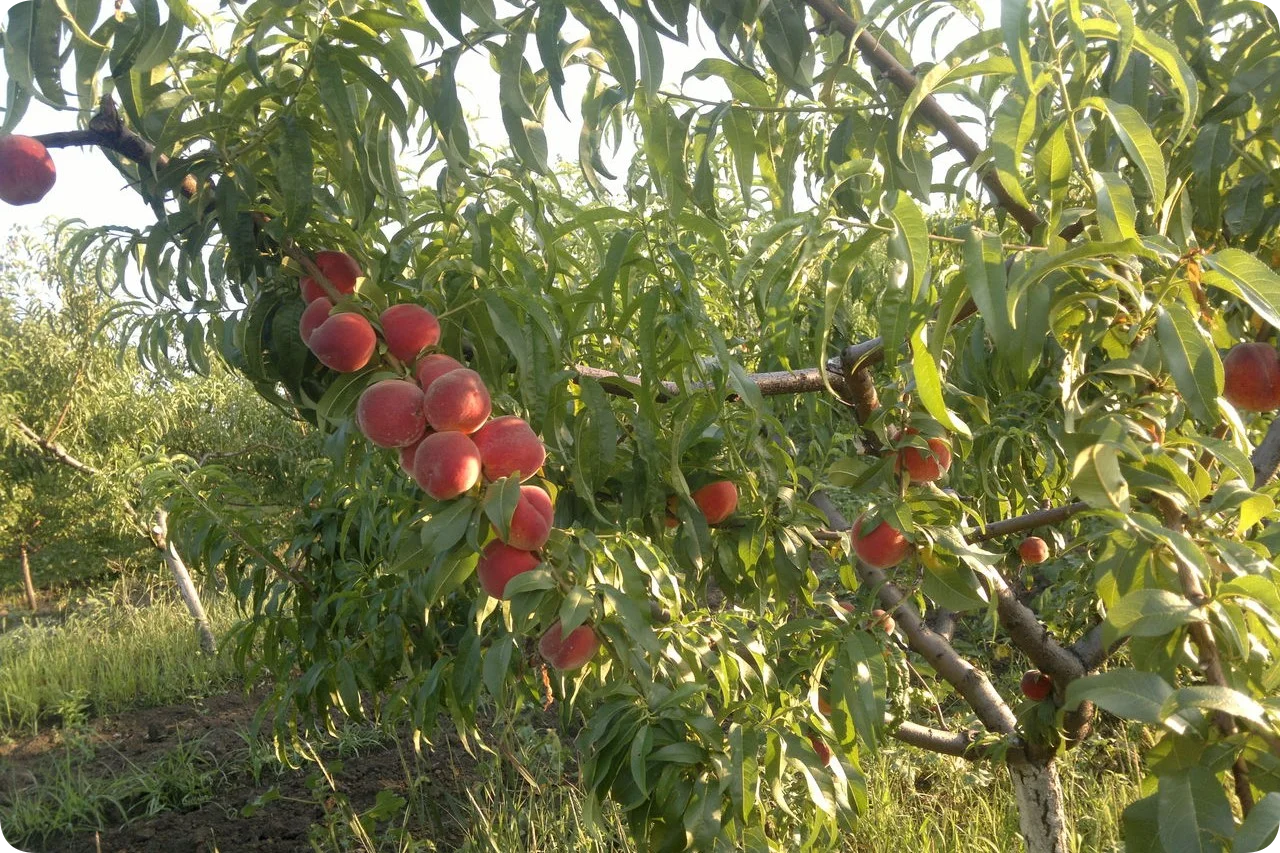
1039, 518
959, 744
770, 384
1266, 457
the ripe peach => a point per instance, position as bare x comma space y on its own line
883, 547
717, 500
509, 446
458, 401
532, 520
499, 563
569, 652
390, 413
406, 456
446, 465
312, 316
26, 170
433, 367
883, 620
344, 342
1251, 377
821, 748
409, 329
924, 467
671, 520
1033, 550
340, 268
1036, 685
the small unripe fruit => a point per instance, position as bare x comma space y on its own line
446, 465
532, 520
433, 366
26, 170
458, 401
390, 413
340, 268
883, 620
499, 563
1033, 550
408, 330
881, 548
717, 500
1036, 685
924, 467
1251, 377
571, 652
312, 317
508, 446
344, 342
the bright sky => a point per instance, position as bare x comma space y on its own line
89, 188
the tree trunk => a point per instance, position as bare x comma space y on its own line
24, 559
186, 587
1041, 817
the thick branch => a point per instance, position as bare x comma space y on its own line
959, 744
1019, 523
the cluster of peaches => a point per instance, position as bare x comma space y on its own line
438, 420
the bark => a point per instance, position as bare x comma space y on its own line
186, 587
1041, 816
24, 559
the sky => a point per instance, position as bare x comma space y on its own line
90, 189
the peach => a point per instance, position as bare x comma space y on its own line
883, 620
313, 316
1035, 684
433, 367
509, 446
406, 456
1033, 550
26, 170
409, 329
390, 413
717, 500
569, 652
881, 548
446, 465
924, 466
458, 401
671, 520
1251, 377
340, 268
821, 748
499, 563
532, 520
344, 342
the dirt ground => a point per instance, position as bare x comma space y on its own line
282, 823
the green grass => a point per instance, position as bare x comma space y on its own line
109, 655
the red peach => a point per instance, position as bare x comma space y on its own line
406, 456
569, 652
532, 520
390, 413
1036, 685
312, 317
883, 547
1251, 377
924, 467
446, 465
883, 620
409, 329
821, 748
1033, 550
344, 342
499, 563
434, 366
340, 268
458, 401
26, 170
717, 500
508, 445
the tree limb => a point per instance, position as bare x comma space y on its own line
1266, 457
959, 744
1039, 518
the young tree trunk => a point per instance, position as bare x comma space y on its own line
186, 587
1041, 816
24, 559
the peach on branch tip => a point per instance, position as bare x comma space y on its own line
571, 652
1033, 550
508, 446
446, 465
340, 268
344, 342
390, 413
1251, 377
433, 366
924, 466
312, 316
881, 548
26, 169
717, 500
532, 520
409, 329
458, 401
1036, 684
499, 563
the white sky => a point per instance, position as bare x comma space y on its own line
89, 188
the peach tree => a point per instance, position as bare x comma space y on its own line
976, 285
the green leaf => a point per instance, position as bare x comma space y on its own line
985, 273
293, 166
449, 14
1151, 613
31, 50
608, 36
1259, 828
1141, 145
1096, 478
1117, 213
1243, 275
1015, 24
1213, 698
1194, 812
929, 384
1127, 693
500, 501
576, 608
1191, 358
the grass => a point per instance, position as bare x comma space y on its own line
110, 654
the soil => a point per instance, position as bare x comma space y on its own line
288, 805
